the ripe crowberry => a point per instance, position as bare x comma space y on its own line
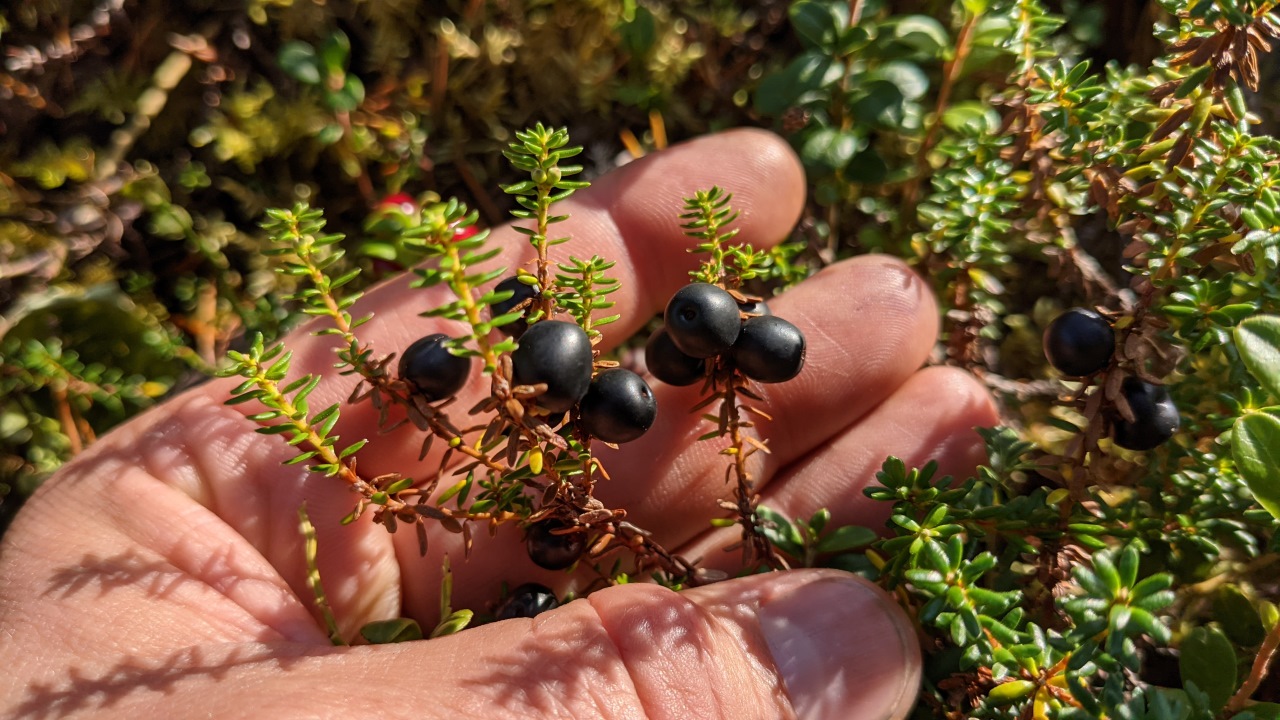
667, 363
559, 354
435, 372
618, 407
551, 551
1155, 417
770, 349
754, 307
1079, 342
703, 320
519, 293
526, 601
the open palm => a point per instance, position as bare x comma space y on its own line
161, 574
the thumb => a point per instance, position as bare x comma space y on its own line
806, 644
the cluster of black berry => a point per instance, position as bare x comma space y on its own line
704, 321
615, 405
1081, 342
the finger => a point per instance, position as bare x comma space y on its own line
629, 216
869, 324
931, 417
815, 645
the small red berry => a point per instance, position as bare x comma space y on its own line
399, 201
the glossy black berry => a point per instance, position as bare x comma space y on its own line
770, 349
557, 353
519, 293
703, 320
1079, 342
551, 551
1155, 417
667, 363
618, 407
755, 307
435, 372
526, 601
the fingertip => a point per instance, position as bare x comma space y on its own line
969, 406
758, 167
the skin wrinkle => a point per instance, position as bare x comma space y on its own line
677, 662
592, 601
547, 632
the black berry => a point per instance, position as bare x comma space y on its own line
551, 551
1155, 417
557, 353
703, 320
519, 293
1079, 342
755, 307
618, 407
668, 364
770, 349
528, 600
435, 372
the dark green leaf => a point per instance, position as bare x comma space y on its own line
382, 632
299, 60
1255, 446
1207, 659
1258, 339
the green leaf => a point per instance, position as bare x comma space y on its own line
847, 538
829, 149
808, 72
908, 77
1265, 711
819, 23
921, 33
1258, 339
456, 622
639, 31
383, 632
299, 60
1255, 446
1208, 660
1239, 618
335, 51
971, 118
1011, 691
880, 102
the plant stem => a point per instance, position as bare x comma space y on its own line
950, 73
462, 289
1261, 665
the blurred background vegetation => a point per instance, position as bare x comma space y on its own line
140, 141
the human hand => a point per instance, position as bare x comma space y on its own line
161, 574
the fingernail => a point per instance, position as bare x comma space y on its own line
843, 650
